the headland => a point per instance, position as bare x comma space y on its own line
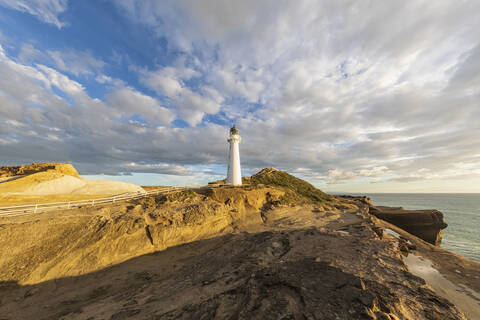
275, 248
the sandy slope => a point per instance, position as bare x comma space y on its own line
79, 186
56, 183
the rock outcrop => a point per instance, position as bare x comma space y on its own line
364, 199
63, 168
425, 224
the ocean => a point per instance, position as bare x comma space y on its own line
461, 213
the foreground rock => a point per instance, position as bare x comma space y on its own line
425, 224
257, 252
295, 274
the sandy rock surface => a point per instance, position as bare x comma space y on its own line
57, 182
227, 254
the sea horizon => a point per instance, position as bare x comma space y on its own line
367, 193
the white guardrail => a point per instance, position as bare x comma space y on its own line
42, 207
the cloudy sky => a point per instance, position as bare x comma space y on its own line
354, 96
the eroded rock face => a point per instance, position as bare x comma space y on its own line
64, 168
67, 243
425, 224
296, 274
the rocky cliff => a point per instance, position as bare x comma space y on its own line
275, 249
425, 224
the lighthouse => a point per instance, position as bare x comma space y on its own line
234, 175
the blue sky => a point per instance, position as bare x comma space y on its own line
95, 28
376, 96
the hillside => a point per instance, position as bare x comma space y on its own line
53, 182
297, 190
275, 249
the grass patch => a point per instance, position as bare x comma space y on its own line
296, 190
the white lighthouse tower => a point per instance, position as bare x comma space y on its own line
234, 175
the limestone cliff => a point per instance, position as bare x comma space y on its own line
425, 224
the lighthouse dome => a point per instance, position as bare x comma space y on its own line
233, 130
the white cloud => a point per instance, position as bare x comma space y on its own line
76, 62
191, 106
165, 81
239, 82
45, 10
29, 53
341, 89
61, 81
90, 132
374, 172
163, 168
130, 102
104, 79
339, 176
